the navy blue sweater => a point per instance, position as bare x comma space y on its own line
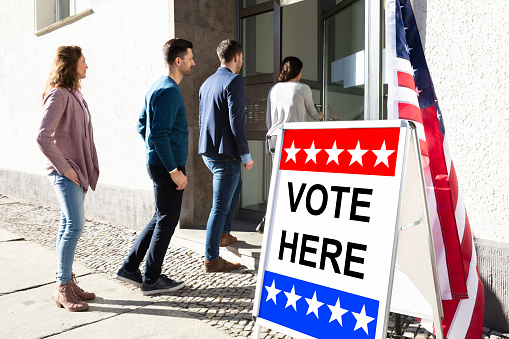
163, 125
222, 115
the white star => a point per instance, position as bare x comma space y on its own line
417, 91
292, 298
333, 153
337, 313
273, 291
408, 49
311, 152
382, 155
314, 304
292, 151
357, 154
413, 72
362, 320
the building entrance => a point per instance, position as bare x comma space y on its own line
329, 37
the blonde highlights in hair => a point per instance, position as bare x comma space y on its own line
63, 72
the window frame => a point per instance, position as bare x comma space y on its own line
46, 16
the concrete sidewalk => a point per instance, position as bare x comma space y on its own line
28, 309
211, 305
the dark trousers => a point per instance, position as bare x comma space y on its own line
155, 237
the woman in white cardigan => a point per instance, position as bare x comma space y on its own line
288, 100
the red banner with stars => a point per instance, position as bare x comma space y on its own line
364, 151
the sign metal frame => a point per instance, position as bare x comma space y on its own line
428, 294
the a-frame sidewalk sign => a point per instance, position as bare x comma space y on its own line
347, 236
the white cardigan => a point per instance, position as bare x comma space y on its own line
289, 102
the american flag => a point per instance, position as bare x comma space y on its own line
411, 96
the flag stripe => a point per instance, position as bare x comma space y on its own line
476, 324
404, 65
409, 112
466, 248
461, 216
406, 80
463, 318
462, 291
424, 149
407, 95
453, 179
444, 210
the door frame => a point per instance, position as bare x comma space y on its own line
372, 63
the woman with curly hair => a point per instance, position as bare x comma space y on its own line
66, 139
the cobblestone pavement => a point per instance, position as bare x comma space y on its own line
223, 300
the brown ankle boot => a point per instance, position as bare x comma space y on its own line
79, 291
66, 298
227, 239
220, 265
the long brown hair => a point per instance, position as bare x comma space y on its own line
63, 72
290, 68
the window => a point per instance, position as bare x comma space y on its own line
300, 38
52, 14
249, 3
343, 74
257, 38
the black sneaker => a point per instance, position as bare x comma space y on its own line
162, 285
134, 278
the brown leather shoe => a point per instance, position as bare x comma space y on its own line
220, 265
79, 291
227, 239
66, 298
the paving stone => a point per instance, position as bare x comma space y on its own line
222, 300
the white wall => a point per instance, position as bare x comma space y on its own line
122, 42
466, 44
467, 48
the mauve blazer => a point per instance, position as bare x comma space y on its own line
65, 140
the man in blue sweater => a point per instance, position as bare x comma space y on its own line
163, 126
223, 145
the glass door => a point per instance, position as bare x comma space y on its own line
343, 61
259, 34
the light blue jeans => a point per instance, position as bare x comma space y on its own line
72, 221
226, 187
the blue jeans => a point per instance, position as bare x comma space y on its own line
226, 187
155, 238
72, 221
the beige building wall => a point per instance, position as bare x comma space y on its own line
466, 45
466, 48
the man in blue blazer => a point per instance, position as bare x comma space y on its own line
223, 146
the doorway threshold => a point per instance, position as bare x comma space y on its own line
246, 250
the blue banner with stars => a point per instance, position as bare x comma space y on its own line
315, 310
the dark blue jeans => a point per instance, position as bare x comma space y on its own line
155, 237
226, 187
